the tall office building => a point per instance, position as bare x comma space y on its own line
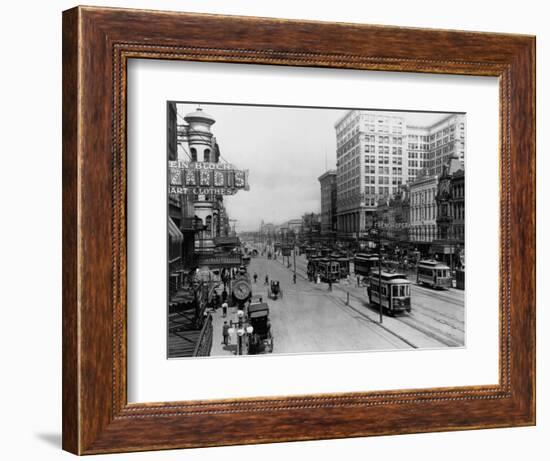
327, 182
371, 163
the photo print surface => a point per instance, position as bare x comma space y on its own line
300, 230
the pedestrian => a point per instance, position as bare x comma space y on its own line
266, 280
294, 278
255, 277
225, 332
318, 278
224, 309
216, 301
329, 285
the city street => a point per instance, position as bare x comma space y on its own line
309, 318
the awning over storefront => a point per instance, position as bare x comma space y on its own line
173, 231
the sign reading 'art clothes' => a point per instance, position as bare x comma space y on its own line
206, 178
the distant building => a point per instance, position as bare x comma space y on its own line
328, 203
423, 211
431, 147
311, 227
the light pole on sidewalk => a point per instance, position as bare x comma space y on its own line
242, 329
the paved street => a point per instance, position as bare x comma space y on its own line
309, 318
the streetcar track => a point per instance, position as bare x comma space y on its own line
432, 293
366, 317
442, 322
439, 337
362, 314
423, 328
440, 314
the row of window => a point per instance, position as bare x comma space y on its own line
423, 196
423, 213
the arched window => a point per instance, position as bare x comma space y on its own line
206, 155
193, 154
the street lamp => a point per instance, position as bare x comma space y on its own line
241, 328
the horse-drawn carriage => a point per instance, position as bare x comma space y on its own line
261, 339
274, 291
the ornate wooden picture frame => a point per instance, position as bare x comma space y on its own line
97, 44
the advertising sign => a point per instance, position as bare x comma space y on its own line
206, 178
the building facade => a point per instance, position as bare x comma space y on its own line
447, 138
328, 203
450, 200
377, 152
371, 163
423, 211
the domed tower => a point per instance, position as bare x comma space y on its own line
202, 149
199, 136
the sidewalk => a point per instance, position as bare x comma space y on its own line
218, 348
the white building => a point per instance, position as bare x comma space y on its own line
423, 209
370, 163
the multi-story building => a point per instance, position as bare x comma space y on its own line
311, 227
446, 139
371, 163
379, 151
392, 218
423, 211
450, 206
328, 203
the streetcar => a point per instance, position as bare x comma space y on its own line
343, 261
363, 263
329, 270
434, 274
393, 287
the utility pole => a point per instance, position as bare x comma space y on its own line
375, 231
294, 254
380, 275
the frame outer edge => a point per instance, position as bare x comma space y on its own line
70, 178
89, 425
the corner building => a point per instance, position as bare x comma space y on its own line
370, 164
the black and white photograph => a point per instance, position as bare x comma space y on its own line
300, 230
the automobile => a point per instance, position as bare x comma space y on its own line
261, 339
274, 291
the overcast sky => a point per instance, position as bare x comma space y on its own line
285, 149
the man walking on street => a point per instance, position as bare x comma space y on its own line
266, 280
294, 278
225, 331
224, 309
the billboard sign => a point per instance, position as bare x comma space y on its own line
206, 178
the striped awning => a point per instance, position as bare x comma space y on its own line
174, 232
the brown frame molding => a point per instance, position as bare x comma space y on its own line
97, 43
